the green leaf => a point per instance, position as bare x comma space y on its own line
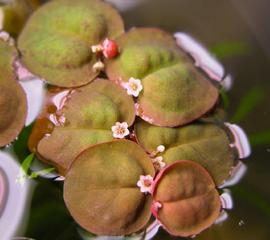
224, 97
13, 106
248, 104
230, 49
204, 143
41, 172
15, 13
89, 114
261, 138
25, 166
20, 146
100, 189
174, 91
252, 196
60, 50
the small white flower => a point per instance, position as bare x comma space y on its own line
98, 66
97, 48
120, 130
158, 163
133, 87
6, 37
145, 183
161, 148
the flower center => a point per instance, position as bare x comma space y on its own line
120, 130
133, 86
147, 183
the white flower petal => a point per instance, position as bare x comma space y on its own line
6, 37
133, 87
120, 130
114, 128
142, 183
159, 159
98, 66
161, 148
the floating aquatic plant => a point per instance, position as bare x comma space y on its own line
132, 121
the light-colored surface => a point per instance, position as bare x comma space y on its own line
236, 175
1, 18
240, 140
15, 212
35, 93
203, 59
124, 5
226, 199
3, 190
222, 217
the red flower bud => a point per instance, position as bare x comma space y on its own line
110, 48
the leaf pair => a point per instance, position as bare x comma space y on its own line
205, 143
101, 193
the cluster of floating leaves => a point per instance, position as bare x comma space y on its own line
130, 120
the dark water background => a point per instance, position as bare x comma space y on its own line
238, 32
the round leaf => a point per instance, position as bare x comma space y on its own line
100, 188
13, 106
56, 41
204, 143
88, 115
174, 91
189, 201
14, 14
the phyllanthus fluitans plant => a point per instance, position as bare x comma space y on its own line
132, 120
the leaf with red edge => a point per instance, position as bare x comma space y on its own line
186, 201
174, 91
88, 116
205, 143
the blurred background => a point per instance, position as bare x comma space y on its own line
237, 32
